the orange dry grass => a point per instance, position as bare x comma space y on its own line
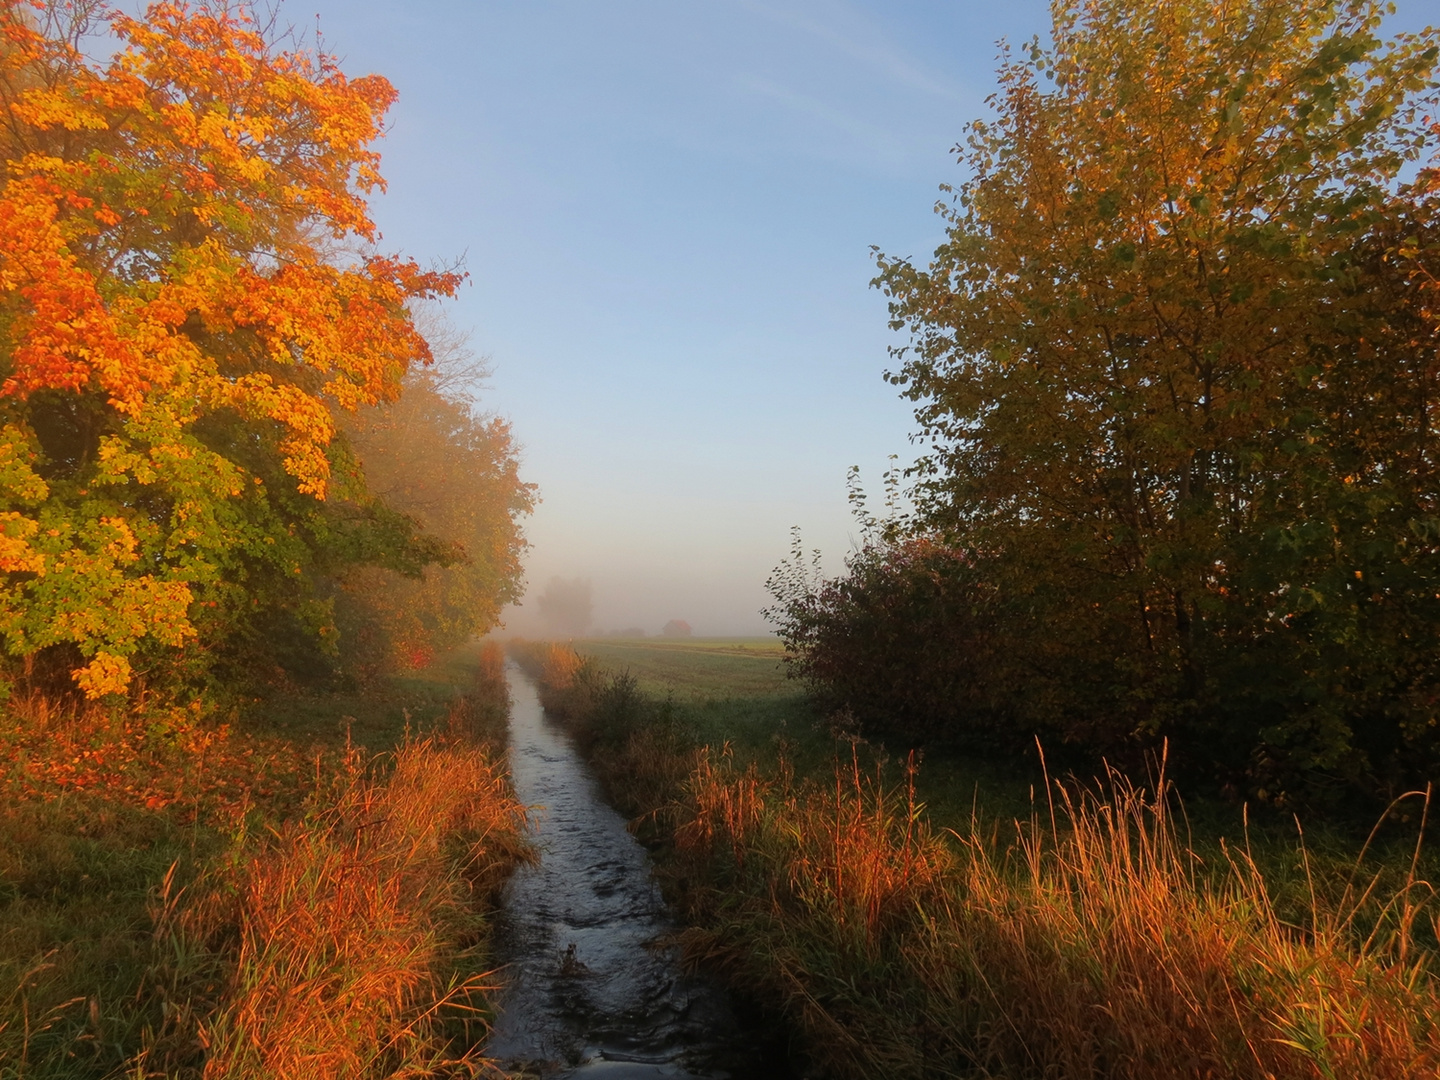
1108, 954
491, 676
1094, 947
347, 926
559, 665
852, 856
553, 666
560, 673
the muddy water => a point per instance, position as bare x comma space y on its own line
591, 990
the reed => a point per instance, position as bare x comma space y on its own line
349, 925
1087, 941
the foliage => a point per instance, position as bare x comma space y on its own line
178, 326
1174, 366
453, 470
903, 643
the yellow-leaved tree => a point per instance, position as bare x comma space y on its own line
1176, 365
179, 329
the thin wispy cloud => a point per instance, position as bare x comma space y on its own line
876, 140
875, 54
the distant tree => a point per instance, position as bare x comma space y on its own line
676, 628
1176, 364
567, 606
435, 456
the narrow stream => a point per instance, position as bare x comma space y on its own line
589, 989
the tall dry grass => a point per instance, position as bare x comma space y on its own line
1117, 954
349, 925
560, 673
1089, 941
1094, 945
182, 899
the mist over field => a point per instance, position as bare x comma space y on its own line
717, 598
717, 601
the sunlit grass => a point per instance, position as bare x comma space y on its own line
349, 924
1092, 936
154, 877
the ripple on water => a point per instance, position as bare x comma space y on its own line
590, 989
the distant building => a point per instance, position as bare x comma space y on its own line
676, 628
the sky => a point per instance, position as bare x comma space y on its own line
667, 212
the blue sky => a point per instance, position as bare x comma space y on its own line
666, 208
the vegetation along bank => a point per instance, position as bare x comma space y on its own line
251, 809
1099, 933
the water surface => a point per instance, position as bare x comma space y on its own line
592, 990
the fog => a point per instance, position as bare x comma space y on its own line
706, 566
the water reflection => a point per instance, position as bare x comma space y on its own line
589, 991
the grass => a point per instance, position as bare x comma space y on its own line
735, 691
1091, 936
696, 669
354, 927
299, 892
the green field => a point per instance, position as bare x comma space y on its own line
693, 670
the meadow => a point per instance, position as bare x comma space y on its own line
1021, 925
302, 891
697, 669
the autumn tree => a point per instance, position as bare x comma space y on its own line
1176, 371
180, 325
437, 457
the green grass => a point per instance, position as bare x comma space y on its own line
695, 670
374, 718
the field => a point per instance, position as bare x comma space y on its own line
696, 669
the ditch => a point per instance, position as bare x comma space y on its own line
593, 984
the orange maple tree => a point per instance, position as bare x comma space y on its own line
175, 291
